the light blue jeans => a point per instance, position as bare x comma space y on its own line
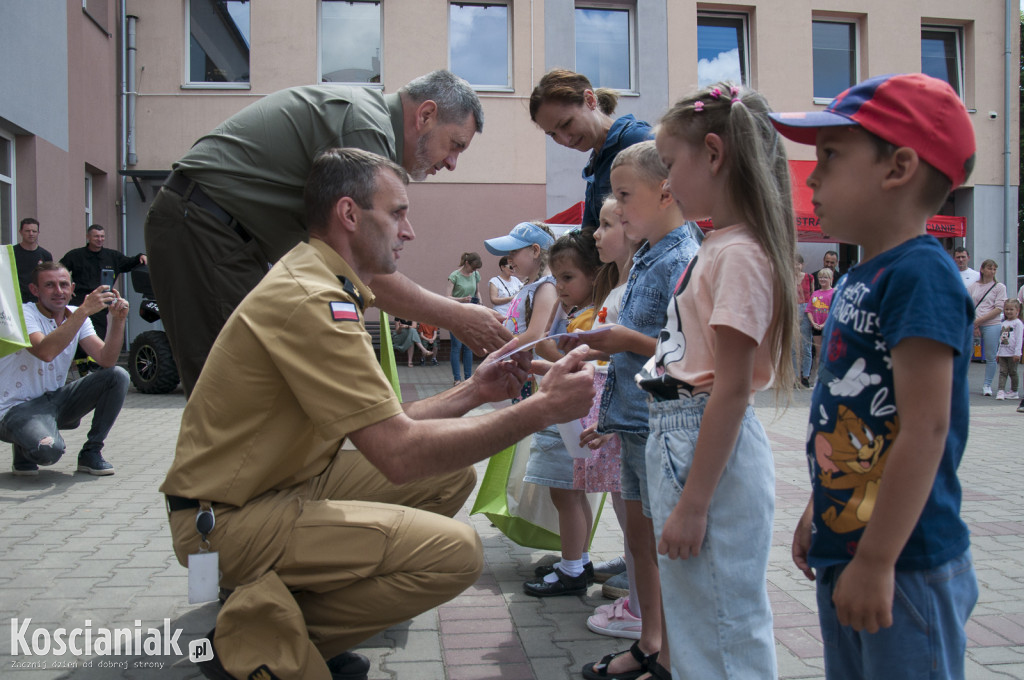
462, 356
806, 342
927, 639
990, 343
718, 620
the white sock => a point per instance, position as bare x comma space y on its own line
585, 559
567, 567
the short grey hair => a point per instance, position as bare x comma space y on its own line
338, 173
454, 97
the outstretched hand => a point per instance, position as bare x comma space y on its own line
569, 386
498, 380
481, 328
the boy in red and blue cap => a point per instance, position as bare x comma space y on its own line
889, 414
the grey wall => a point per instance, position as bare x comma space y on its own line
34, 68
985, 231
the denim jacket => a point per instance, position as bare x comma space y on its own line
644, 308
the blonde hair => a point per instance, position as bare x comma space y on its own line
825, 271
528, 302
644, 159
759, 188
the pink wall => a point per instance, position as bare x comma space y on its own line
450, 219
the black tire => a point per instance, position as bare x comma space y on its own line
151, 363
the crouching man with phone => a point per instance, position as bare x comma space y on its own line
34, 401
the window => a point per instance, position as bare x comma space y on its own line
218, 50
722, 49
478, 43
349, 41
835, 57
604, 46
6, 189
941, 55
88, 199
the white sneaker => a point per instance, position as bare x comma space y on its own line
1000, 395
986, 391
615, 620
1012, 395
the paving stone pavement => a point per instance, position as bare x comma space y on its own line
80, 551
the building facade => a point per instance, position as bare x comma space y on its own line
59, 119
189, 64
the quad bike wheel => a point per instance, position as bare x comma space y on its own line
151, 364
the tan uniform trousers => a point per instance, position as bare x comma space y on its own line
379, 555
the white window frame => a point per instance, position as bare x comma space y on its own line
744, 18
630, 9
202, 84
9, 181
89, 184
958, 36
856, 50
320, 42
507, 87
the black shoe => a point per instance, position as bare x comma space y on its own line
348, 666
345, 666
545, 569
23, 467
93, 463
213, 668
565, 585
805, 382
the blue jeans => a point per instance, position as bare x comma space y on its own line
805, 347
34, 426
990, 342
461, 355
927, 638
718, 620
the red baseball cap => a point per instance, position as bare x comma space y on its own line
912, 110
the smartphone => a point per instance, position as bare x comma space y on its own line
107, 279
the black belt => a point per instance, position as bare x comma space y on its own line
190, 190
179, 503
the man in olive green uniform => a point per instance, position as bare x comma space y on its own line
325, 546
233, 204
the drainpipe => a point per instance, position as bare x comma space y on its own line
1009, 211
132, 94
123, 216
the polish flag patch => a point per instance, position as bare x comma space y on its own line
344, 311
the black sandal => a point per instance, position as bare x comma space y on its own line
599, 670
658, 672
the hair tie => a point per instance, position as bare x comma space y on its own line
715, 93
698, 106
736, 100
734, 90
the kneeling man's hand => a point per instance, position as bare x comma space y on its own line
497, 380
568, 387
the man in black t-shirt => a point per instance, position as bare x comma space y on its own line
28, 254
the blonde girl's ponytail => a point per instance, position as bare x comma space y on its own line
759, 186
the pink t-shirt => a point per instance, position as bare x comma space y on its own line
819, 305
729, 284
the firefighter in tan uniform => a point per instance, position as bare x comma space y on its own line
323, 546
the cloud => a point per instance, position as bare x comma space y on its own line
725, 66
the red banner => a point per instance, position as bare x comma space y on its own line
808, 226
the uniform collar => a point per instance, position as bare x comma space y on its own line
340, 268
394, 104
